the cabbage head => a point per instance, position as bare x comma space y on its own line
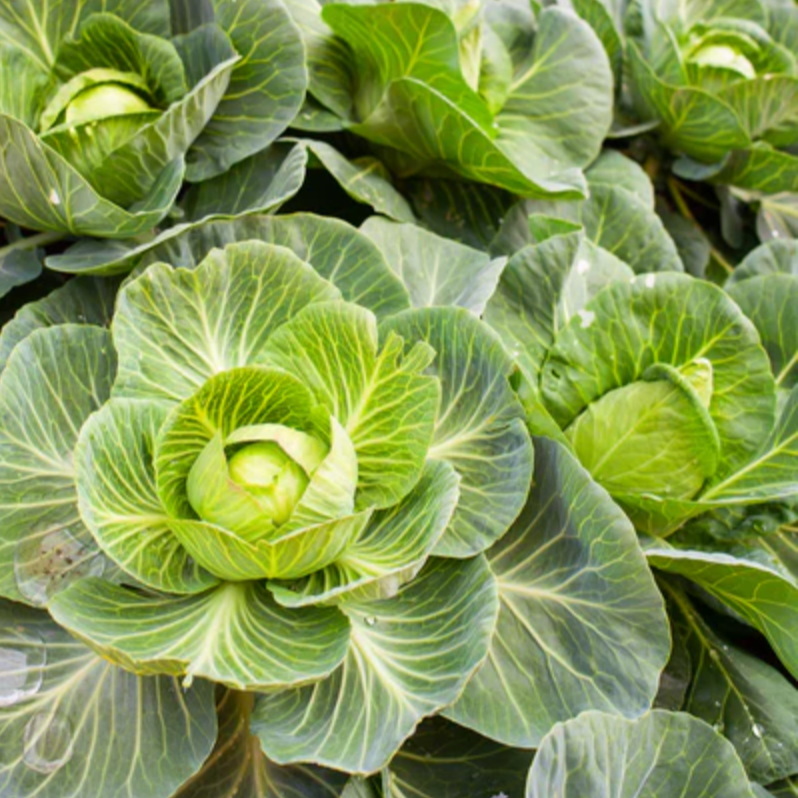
105, 108
678, 396
722, 81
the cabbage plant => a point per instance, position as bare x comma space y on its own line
492, 93
658, 382
105, 108
722, 81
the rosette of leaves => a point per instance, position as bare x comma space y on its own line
113, 105
301, 473
262, 465
722, 81
488, 92
658, 382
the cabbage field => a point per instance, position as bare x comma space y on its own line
398, 399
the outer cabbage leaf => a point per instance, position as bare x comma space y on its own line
234, 634
61, 724
358, 717
43, 543
661, 755
752, 703
479, 427
618, 216
443, 760
581, 623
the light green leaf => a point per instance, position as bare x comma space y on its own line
39, 27
237, 767
330, 494
581, 624
661, 755
119, 501
671, 319
597, 14
130, 171
259, 184
236, 398
772, 257
544, 227
542, 287
442, 760
364, 183
266, 89
427, 52
770, 302
416, 78
435, 270
219, 501
746, 699
391, 549
234, 634
618, 216
479, 429
53, 381
39, 189
66, 714
762, 169
84, 300
615, 170
760, 594
296, 554
337, 251
560, 103
174, 329
21, 98
773, 473
619, 439
328, 59
768, 106
693, 120
385, 403
104, 41
408, 657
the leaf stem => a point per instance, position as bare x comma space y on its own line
684, 209
32, 242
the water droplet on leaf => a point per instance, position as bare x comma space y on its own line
587, 317
759, 731
48, 742
22, 660
370, 620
